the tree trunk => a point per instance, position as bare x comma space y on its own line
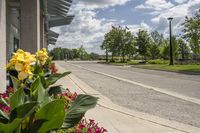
106, 55
123, 60
112, 57
182, 53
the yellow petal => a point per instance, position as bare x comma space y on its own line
20, 51
18, 66
22, 75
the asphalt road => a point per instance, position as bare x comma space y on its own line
140, 98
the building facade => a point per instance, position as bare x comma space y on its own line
26, 24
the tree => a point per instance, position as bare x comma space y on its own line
126, 43
82, 52
154, 50
65, 53
105, 46
142, 43
118, 41
165, 50
94, 56
192, 33
175, 47
75, 53
183, 49
56, 53
157, 38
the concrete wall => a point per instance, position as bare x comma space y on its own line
2, 45
43, 36
30, 25
41, 31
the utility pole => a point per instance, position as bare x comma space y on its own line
170, 37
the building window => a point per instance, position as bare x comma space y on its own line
16, 44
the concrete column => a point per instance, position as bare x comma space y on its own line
45, 41
2, 45
30, 25
41, 31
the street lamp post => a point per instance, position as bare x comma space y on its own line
170, 36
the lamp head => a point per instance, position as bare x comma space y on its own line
170, 18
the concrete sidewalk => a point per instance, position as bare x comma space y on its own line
118, 119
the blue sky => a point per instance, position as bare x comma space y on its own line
93, 18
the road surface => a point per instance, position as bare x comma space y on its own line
140, 98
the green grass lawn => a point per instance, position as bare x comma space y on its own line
175, 68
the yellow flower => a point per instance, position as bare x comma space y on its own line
18, 66
22, 75
22, 62
29, 57
42, 56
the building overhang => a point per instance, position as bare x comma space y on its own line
56, 14
60, 21
52, 37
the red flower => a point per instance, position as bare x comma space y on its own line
104, 130
91, 121
81, 126
9, 90
53, 68
89, 130
97, 130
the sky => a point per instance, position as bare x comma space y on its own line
94, 18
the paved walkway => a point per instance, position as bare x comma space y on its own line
118, 119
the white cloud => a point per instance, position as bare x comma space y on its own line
180, 1
94, 4
88, 30
135, 28
85, 30
178, 12
157, 5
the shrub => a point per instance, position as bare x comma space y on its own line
158, 62
134, 62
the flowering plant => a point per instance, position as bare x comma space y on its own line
84, 126
33, 103
89, 127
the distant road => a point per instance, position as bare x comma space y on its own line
136, 97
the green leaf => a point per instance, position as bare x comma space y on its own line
15, 82
78, 109
55, 90
17, 98
23, 111
53, 78
54, 113
17, 116
3, 117
38, 93
35, 85
38, 70
10, 127
36, 126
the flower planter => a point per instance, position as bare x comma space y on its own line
34, 104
